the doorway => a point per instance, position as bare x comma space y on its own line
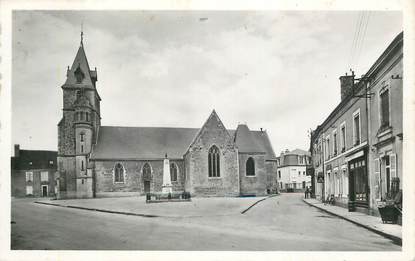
358, 182
44, 190
146, 186
147, 177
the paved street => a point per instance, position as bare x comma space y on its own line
280, 223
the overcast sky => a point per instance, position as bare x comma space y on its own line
277, 70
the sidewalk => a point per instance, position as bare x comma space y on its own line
374, 224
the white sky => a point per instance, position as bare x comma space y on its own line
277, 70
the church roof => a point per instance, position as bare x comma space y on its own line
245, 140
142, 142
129, 143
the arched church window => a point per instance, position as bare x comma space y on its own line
81, 137
173, 172
214, 162
79, 75
147, 171
118, 173
250, 167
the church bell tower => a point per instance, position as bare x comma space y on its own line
78, 129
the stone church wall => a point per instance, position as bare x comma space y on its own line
67, 177
213, 133
133, 178
253, 185
271, 169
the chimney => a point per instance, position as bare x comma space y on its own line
346, 85
16, 150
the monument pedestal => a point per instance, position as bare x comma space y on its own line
166, 187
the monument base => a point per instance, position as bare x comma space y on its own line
167, 189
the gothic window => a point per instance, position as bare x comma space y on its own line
214, 162
87, 116
147, 171
82, 137
250, 167
82, 165
118, 173
79, 75
173, 172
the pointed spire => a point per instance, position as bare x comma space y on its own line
82, 33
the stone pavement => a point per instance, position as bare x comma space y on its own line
138, 206
391, 231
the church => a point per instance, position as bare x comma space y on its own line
112, 161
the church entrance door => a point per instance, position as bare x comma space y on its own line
147, 177
146, 186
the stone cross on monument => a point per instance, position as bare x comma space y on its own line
167, 187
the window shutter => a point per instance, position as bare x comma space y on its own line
377, 167
392, 159
378, 179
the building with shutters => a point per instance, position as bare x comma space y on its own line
32, 173
357, 150
100, 161
292, 170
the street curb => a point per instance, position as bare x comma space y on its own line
395, 239
256, 202
99, 210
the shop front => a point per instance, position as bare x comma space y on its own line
358, 180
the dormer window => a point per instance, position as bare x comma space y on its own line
79, 75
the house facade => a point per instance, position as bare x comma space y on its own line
357, 150
32, 173
292, 170
101, 161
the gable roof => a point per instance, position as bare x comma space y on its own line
142, 142
39, 159
213, 116
134, 143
